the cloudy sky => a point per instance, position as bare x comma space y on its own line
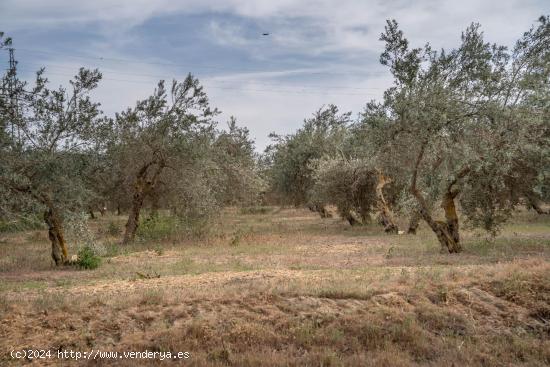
317, 52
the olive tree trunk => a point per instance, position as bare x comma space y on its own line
534, 203
384, 213
447, 231
143, 186
51, 217
56, 236
351, 218
319, 209
414, 222
133, 216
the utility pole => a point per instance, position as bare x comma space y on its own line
11, 81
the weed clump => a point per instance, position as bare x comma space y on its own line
87, 258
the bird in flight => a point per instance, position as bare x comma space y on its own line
265, 34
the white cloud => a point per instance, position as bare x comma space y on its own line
504, 19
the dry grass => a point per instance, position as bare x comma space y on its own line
285, 288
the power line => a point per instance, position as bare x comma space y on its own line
102, 70
282, 91
302, 89
123, 60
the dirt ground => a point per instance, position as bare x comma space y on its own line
283, 288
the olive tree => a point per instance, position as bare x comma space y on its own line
153, 138
458, 125
350, 184
39, 161
218, 169
291, 157
239, 182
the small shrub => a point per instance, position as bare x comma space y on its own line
87, 258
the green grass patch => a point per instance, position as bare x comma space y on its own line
88, 259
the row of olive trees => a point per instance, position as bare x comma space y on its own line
467, 130
60, 154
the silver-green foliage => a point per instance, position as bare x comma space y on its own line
290, 159
350, 184
473, 121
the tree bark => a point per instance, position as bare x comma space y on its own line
364, 214
133, 217
55, 234
52, 219
323, 212
143, 186
384, 212
447, 231
320, 209
414, 222
534, 203
448, 205
351, 219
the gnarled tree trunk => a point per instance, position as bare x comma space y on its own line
364, 214
350, 217
451, 218
143, 186
414, 222
446, 231
320, 209
323, 212
534, 203
135, 209
55, 234
52, 219
384, 212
